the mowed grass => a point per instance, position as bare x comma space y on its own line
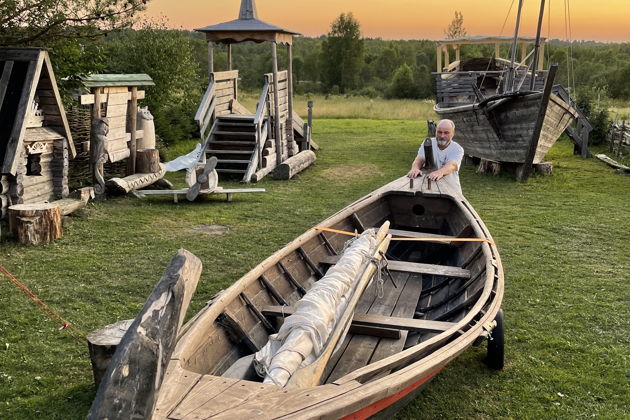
563, 241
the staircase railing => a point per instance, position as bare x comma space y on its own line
262, 129
205, 112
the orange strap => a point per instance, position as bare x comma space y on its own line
343, 232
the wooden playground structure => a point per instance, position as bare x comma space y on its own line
249, 144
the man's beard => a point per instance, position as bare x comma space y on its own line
442, 143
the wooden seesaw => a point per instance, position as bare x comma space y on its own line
206, 183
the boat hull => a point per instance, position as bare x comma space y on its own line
460, 298
502, 130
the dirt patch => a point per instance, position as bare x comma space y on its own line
210, 229
349, 172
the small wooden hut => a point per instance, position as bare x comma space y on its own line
246, 143
35, 140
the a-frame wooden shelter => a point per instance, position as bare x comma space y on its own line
35, 139
245, 143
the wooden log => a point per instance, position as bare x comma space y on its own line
294, 165
70, 205
102, 344
133, 182
261, 173
147, 161
129, 386
35, 224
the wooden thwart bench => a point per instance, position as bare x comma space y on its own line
420, 268
375, 321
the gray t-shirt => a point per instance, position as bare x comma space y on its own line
453, 153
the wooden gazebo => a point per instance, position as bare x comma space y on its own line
275, 106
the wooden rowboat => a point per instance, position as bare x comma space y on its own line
444, 295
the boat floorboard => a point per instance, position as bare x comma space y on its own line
359, 350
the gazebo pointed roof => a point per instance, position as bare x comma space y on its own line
247, 28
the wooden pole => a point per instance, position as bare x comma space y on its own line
526, 169
438, 56
537, 45
510, 77
310, 124
96, 113
497, 50
132, 113
210, 58
229, 56
457, 52
290, 93
276, 105
447, 60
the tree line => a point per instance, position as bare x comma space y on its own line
341, 62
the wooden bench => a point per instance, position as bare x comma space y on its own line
420, 268
219, 190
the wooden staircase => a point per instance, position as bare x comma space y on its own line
233, 142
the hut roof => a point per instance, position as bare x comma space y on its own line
102, 80
247, 28
26, 77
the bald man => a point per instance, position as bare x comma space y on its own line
446, 153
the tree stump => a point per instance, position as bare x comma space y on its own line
35, 224
147, 161
544, 168
489, 167
102, 344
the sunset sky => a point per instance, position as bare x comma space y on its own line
607, 20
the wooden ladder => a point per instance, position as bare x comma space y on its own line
580, 133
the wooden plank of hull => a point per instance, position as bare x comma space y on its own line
516, 118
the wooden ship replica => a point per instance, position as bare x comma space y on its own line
323, 328
248, 144
505, 111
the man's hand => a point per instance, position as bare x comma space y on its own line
414, 173
436, 175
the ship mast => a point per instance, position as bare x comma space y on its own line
509, 83
537, 45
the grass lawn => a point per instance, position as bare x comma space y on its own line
563, 240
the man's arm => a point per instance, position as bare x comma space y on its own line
415, 167
450, 167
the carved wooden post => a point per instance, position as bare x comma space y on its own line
132, 112
98, 136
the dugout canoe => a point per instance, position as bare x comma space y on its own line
444, 295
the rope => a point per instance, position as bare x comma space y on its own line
47, 310
427, 239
